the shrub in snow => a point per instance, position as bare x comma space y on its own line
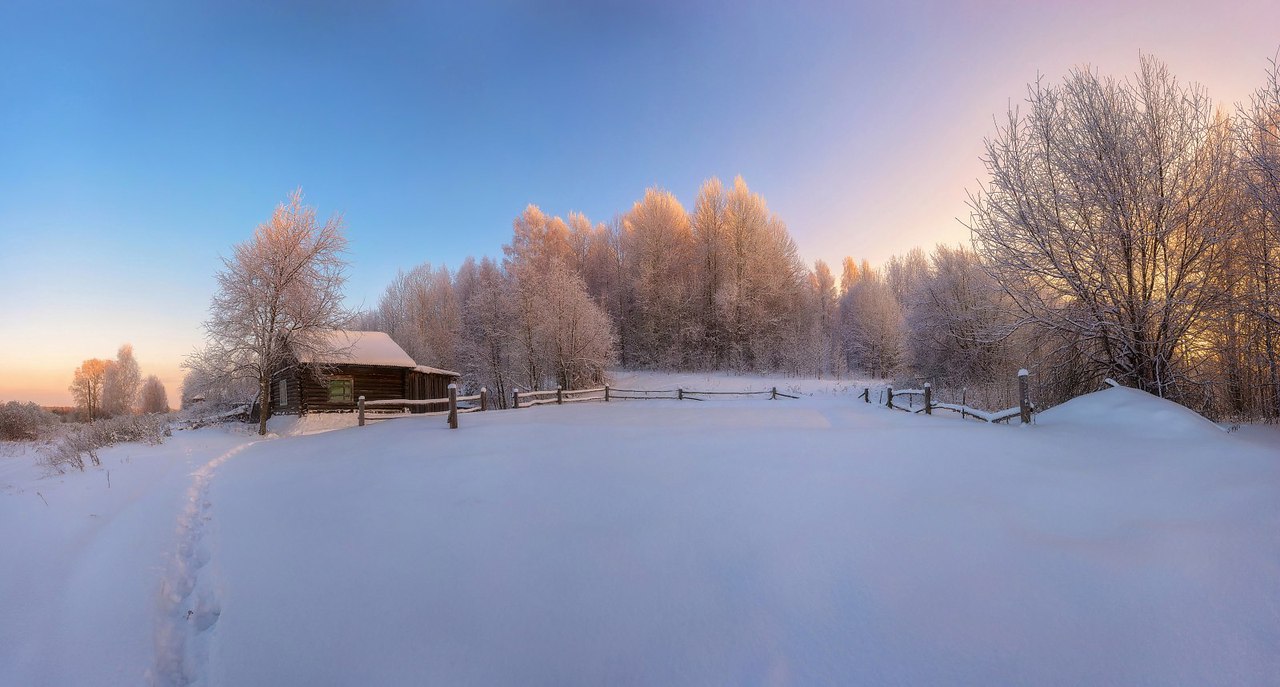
85, 440
25, 422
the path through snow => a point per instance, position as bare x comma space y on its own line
188, 604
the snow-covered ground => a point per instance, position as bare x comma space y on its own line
818, 541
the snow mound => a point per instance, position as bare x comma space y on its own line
1132, 411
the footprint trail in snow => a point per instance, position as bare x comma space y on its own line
188, 604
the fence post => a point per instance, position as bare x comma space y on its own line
889, 404
559, 395
360, 406
484, 399
679, 394
453, 406
1024, 398
606, 393
928, 398
515, 399
774, 395
866, 394
964, 403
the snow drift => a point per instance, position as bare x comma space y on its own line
1129, 411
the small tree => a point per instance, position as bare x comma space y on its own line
276, 294
86, 387
153, 399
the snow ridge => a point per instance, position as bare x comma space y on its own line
188, 605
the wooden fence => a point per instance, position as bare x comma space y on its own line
528, 399
481, 401
606, 393
1023, 411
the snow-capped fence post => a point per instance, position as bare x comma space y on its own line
453, 406
866, 394
606, 393
1024, 398
889, 403
774, 396
484, 399
515, 399
559, 395
360, 410
679, 394
928, 398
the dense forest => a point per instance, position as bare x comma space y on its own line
1128, 229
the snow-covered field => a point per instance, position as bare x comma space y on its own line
818, 541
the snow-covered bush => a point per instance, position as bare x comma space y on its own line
25, 422
85, 440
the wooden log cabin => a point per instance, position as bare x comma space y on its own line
371, 365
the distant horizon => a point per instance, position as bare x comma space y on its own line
142, 142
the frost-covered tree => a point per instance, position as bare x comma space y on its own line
575, 333
874, 324
421, 312
1256, 288
659, 254
956, 327
1107, 215
86, 387
904, 273
120, 383
153, 399
487, 326
825, 308
277, 294
212, 391
710, 245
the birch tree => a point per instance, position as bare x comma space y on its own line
421, 313
956, 326
120, 383
277, 293
574, 331
487, 323
874, 321
659, 248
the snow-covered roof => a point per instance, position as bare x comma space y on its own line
362, 348
436, 371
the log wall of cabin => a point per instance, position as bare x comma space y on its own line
375, 383
293, 395
424, 385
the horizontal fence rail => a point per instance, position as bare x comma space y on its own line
886, 396
528, 399
480, 401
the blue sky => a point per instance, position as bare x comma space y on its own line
138, 141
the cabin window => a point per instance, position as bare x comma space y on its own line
282, 393
341, 390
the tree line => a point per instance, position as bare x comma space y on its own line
104, 388
1128, 228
